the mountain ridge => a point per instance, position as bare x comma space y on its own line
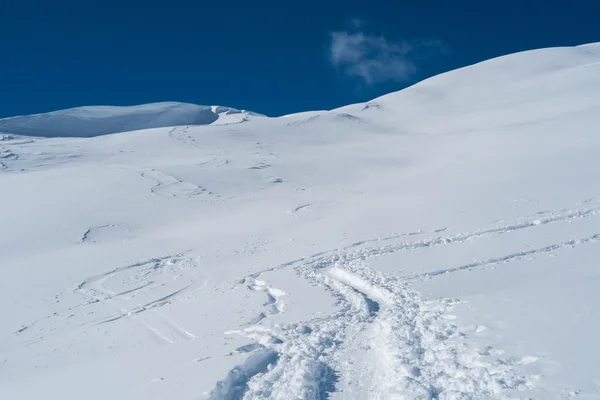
508, 71
91, 121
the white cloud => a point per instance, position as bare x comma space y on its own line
373, 58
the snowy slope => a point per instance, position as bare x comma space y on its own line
102, 120
436, 243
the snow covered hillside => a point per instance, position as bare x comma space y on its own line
440, 242
102, 120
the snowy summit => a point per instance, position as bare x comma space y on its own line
440, 242
103, 120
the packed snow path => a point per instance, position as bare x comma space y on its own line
414, 350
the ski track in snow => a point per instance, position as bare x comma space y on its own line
119, 289
273, 302
171, 187
134, 294
180, 133
7, 154
106, 232
512, 257
415, 352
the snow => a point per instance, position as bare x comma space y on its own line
435, 243
103, 120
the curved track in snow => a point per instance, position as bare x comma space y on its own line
413, 350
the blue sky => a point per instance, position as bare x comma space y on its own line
272, 57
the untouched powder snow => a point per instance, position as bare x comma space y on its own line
440, 242
103, 120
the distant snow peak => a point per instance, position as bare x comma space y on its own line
93, 121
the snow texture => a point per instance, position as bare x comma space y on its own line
435, 243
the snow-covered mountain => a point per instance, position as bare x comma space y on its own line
102, 120
435, 243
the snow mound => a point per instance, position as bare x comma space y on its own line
103, 120
484, 95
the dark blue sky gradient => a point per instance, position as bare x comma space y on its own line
267, 56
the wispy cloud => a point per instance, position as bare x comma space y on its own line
375, 59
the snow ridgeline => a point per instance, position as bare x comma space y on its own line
103, 120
